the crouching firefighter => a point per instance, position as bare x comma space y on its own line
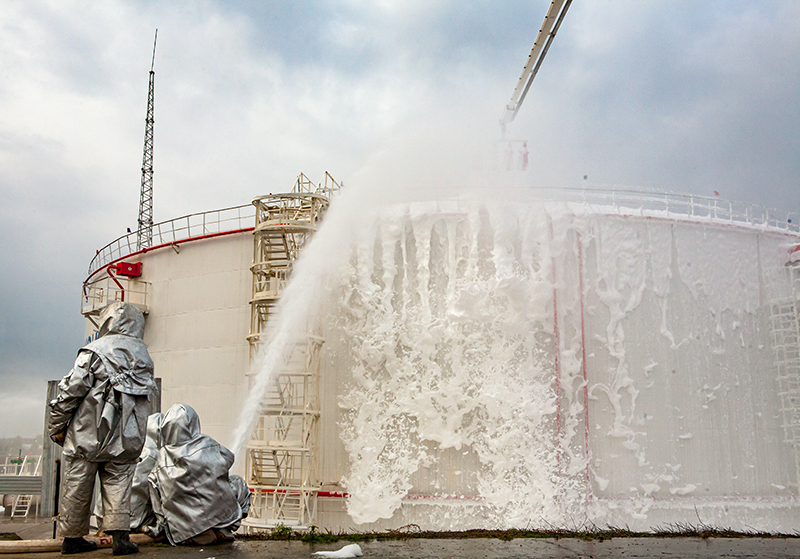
100, 418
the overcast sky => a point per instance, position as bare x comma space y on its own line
680, 95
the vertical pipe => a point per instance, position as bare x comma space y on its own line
113, 277
556, 351
56, 494
583, 361
51, 453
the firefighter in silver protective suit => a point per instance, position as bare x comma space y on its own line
193, 496
141, 508
100, 418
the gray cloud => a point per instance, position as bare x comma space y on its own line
666, 96
675, 96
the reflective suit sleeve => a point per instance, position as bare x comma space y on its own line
71, 391
227, 456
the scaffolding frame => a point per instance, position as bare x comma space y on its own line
785, 326
281, 456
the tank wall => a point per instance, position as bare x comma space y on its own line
456, 348
683, 391
196, 329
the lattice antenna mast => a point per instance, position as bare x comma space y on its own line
144, 235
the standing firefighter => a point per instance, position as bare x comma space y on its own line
100, 418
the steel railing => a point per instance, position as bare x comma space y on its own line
645, 203
620, 201
674, 205
176, 230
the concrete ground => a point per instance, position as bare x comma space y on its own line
661, 548
28, 528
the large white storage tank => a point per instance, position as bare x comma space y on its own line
609, 357
195, 287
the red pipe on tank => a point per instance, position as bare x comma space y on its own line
113, 277
583, 364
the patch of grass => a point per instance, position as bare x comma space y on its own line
312, 536
281, 532
705, 531
412, 531
9, 536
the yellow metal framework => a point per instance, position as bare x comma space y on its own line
281, 455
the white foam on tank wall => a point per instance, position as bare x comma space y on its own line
449, 373
717, 266
561, 248
621, 278
448, 321
466, 372
659, 251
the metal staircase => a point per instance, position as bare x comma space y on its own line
281, 455
21, 506
22, 503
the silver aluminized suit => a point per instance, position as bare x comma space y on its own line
141, 509
190, 488
100, 417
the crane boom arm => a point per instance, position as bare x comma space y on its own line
552, 21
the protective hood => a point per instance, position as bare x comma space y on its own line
180, 425
120, 347
121, 318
